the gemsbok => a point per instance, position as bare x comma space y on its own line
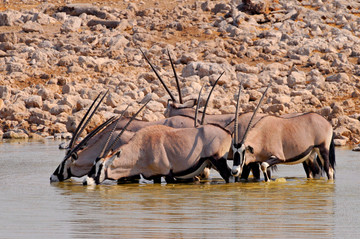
159, 150
181, 108
275, 140
80, 158
63, 171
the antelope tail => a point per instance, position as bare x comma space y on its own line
332, 153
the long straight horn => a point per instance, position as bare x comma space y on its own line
197, 107
90, 135
158, 76
123, 130
207, 100
111, 134
83, 125
236, 128
176, 78
252, 117
92, 114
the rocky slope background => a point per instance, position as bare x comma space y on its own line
56, 56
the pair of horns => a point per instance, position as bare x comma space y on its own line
105, 151
236, 141
161, 80
206, 103
84, 122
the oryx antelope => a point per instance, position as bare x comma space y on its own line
80, 158
225, 120
63, 171
274, 140
160, 150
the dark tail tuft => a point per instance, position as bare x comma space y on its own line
332, 153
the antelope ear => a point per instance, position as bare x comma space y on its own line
188, 104
250, 149
118, 153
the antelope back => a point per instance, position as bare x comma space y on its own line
289, 137
155, 150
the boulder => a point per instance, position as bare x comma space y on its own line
31, 26
71, 24
34, 101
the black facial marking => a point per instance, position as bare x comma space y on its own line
97, 177
236, 159
74, 156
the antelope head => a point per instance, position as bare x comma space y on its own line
63, 172
108, 154
240, 149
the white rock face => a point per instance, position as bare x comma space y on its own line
55, 61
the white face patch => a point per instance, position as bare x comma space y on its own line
54, 178
237, 169
90, 181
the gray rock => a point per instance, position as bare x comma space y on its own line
71, 24
34, 101
296, 78
356, 148
15, 134
79, 8
31, 26
10, 18
14, 111
188, 57
5, 92
339, 78
340, 142
58, 109
10, 37
201, 69
44, 19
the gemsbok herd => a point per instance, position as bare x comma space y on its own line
187, 144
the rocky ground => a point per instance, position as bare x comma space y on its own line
56, 56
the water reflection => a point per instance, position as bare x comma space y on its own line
292, 207
205, 210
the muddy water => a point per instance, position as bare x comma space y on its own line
290, 207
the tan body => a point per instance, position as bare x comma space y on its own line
274, 140
227, 121
85, 156
165, 151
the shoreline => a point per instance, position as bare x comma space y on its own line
56, 57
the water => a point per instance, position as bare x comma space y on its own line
31, 207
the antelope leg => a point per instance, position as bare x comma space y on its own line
264, 167
130, 179
222, 167
268, 163
245, 172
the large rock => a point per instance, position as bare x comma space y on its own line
34, 101
60, 109
32, 27
339, 78
15, 134
10, 18
10, 37
5, 92
71, 24
296, 78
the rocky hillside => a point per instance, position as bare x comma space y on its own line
55, 57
